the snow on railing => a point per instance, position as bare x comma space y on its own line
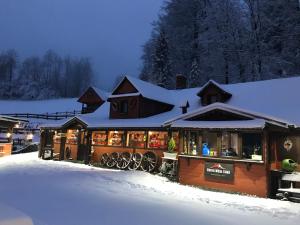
45, 116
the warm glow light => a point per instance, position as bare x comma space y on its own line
116, 132
17, 125
8, 135
29, 136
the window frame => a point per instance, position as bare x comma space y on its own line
121, 108
186, 138
127, 141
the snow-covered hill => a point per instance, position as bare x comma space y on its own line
40, 106
64, 193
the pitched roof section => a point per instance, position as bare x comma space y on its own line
245, 124
102, 95
275, 100
231, 109
148, 90
215, 84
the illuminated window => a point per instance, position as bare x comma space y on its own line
209, 144
252, 146
1, 149
175, 136
4, 138
157, 139
99, 138
115, 138
72, 137
57, 138
229, 144
193, 143
136, 139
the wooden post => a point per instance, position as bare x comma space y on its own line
266, 156
88, 149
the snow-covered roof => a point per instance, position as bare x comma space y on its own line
149, 90
212, 82
55, 124
11, 119
272, 101
236, 124
102, 94
234, 110
39, 106
125, 95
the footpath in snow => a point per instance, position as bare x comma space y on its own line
54, 193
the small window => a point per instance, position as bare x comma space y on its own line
115, 138
124, 106
1, 149
157, 139
136, 139
99, 138
252, 146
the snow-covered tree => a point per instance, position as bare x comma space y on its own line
161, 62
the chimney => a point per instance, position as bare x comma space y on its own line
180, 81
184, 106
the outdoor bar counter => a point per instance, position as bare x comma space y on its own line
231, 161
231, 175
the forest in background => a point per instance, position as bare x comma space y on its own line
229, 41
49, 76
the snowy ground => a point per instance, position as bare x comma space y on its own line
39, 106
51, 193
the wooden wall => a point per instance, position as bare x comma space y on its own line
6, 149
138, 107
212, 90
90, 97
148, 107
252, 181
99, 150
278, 152
124, 88
133, 108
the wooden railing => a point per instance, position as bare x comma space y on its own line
45, 116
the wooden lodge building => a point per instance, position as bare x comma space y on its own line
7, 125
229, 137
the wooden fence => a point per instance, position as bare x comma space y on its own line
45, 116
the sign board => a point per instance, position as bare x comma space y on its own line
217, 170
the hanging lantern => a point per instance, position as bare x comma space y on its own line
288, 144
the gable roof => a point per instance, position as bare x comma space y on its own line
147, 90
274, 101
231, 109
74, 120
103, 95
215, 84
